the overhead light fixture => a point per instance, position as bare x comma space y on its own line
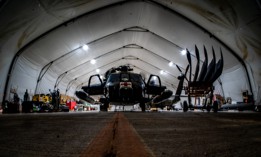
170, 63
162, 72
93, 61
85, 47
98, 70
183, 52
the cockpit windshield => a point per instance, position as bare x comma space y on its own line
125, 77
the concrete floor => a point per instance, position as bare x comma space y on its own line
49, 134
164, 133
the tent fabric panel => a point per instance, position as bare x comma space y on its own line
239, 32
24, 78
234, 82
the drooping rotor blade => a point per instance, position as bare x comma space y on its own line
180, 86
189, 60
163, 96
83, 96
179, 68
214, 68
204, 66
179, 89
187, 68
219, 68
198, 64
189, 100
211, 68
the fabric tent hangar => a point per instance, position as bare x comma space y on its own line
41, 42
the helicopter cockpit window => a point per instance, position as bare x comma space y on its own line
95, 81
124, 77
154, 81
136, 78
114, 78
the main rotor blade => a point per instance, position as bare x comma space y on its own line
178, 68
198, 64
187, 69
211, 68
186, 72
83, 96
214, 68
204, 66
219, 68
189, 60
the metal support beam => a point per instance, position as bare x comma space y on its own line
69, 85
41, 74
129, 29
100, 56
59, 79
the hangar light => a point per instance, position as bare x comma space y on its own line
98, 70
85, 47
93, 61
162, 72
170, 64
183, 52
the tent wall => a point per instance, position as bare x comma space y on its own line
161, 31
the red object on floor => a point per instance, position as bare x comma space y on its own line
71, 105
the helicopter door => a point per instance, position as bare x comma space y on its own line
154, 86
95, 86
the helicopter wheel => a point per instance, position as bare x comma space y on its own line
215, 106
105, 106
208, 107
142, 106
185, 106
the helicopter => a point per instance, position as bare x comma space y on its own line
121, 86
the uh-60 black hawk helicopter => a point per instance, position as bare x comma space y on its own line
123, 87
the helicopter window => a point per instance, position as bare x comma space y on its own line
154, 81
136, 78
114, 78
124, 77
95, 81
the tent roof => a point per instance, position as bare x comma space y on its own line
48, 35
